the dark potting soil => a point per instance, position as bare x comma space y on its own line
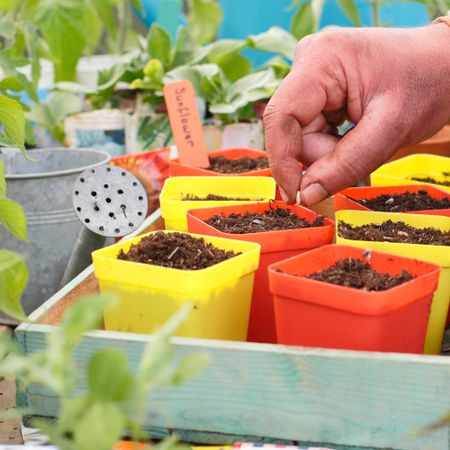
390, 231
432, 180
274, 219
408, 201
212, 197
221, 164
352, 272
177, 251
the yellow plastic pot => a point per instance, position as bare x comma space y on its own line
149, 295
436, 254
403, 170
173, 209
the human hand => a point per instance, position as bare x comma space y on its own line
394, 84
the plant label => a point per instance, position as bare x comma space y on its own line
185, 123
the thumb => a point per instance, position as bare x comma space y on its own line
363, 149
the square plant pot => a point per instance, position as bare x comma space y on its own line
346, 198
405, 169
437, 254
319, 314
148, 295
177, 169
275, 246
174, 208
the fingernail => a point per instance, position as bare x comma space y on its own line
283, 194
314, 193
298, 198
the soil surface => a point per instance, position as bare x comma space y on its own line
432, 180
390, 231
245, 164
272, 220
209, 197
408, 201
177, 251
358, 274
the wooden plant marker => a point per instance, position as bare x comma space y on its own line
185, 123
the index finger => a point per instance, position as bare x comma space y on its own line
298, 100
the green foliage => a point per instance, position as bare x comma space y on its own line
350, 9
115, 399
64, 30
13, 280
228, 99
51, 114
13, 120
275, 40
204, 19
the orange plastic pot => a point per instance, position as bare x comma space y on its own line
318, 314
342, 200
275, 246
177, 169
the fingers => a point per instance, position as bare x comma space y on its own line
356, 155
298, 101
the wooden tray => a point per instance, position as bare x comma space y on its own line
260, 392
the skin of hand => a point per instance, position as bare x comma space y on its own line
394, 84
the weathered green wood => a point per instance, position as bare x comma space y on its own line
345, 399
300, 394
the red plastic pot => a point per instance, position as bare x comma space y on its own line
318, 314
342, 200
177, 169
151, 168
275, 246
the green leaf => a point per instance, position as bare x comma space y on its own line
236, 67
190, 366
280, 67
101, 424
93, 27
184, 49
350, 9
303, 21
204, 19
159, 45
13, 280
106, 13
13, 218
62, 25
2, 179
220, 51
108, 376
52, 113
13, 120
274, 40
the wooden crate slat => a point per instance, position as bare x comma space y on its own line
324, 396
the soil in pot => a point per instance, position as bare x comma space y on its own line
271, 220
352, 272
390, 231
213, 197
433, 180
176, 251
221, 164
407, 201
358, 274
